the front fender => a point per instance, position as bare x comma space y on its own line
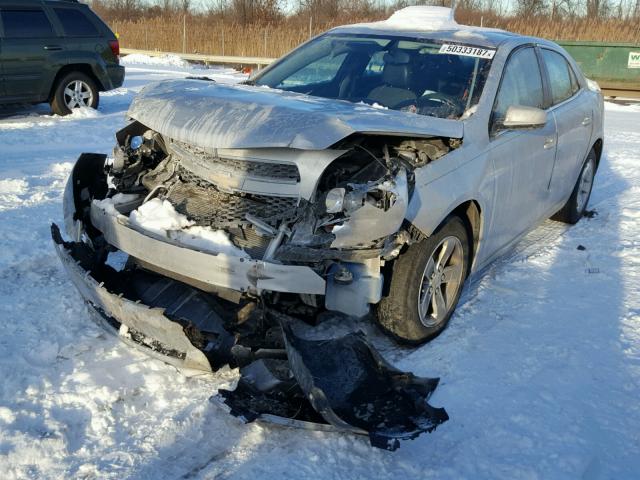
436, 196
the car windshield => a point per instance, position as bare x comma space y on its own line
418, 76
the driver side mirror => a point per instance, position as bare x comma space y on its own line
521, 117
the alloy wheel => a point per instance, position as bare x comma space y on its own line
77, 94
441, 281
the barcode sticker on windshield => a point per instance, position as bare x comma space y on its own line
467, 51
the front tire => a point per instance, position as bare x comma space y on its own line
426, 283
575, 207
74, 90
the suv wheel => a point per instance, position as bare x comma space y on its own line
74, 90
426, 283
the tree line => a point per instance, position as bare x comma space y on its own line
334, 11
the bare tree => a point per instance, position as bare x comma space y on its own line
531, 8
597, 8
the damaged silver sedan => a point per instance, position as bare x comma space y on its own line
367, 173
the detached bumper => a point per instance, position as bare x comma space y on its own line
137, 324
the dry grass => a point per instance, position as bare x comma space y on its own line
215, 37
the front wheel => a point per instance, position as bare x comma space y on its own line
575, 207
74, 90
426, 283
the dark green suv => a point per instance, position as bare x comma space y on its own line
56, 51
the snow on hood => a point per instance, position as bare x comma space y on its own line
212, 115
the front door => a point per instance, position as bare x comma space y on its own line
522, 159
30, 54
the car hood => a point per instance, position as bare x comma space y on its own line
212, 115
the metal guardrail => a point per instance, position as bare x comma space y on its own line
206, 59
607, 63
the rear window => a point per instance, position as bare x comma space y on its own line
26, 24
75, 23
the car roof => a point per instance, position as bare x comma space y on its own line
438, 24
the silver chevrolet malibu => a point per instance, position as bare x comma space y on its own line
369, 172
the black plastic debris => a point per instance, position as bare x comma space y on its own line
268, 390
353, 387
343, 383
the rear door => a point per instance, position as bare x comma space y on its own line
30, 55
81, 35
571, 108
522, 159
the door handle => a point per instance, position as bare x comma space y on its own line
549, 143
587, 121
52, 47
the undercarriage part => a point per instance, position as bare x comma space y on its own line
341, 383
267, 389
191, 308
353, 387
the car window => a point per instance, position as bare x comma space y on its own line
575, 86
559, 76
424, 77
26, 24
75, 23
322, 70
521, 84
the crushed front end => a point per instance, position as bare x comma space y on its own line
197, 255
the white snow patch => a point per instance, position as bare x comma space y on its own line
14, 186
6, 415
159, 217
108, 205
141, 59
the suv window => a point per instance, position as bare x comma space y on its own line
521, 84
75, 23
26, 24
560, 73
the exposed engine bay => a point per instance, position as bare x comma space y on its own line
339, 212
208, 258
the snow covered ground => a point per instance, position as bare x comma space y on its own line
540, 365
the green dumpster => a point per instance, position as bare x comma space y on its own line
615, 66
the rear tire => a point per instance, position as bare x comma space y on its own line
575, 207
425, 285
74, 90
